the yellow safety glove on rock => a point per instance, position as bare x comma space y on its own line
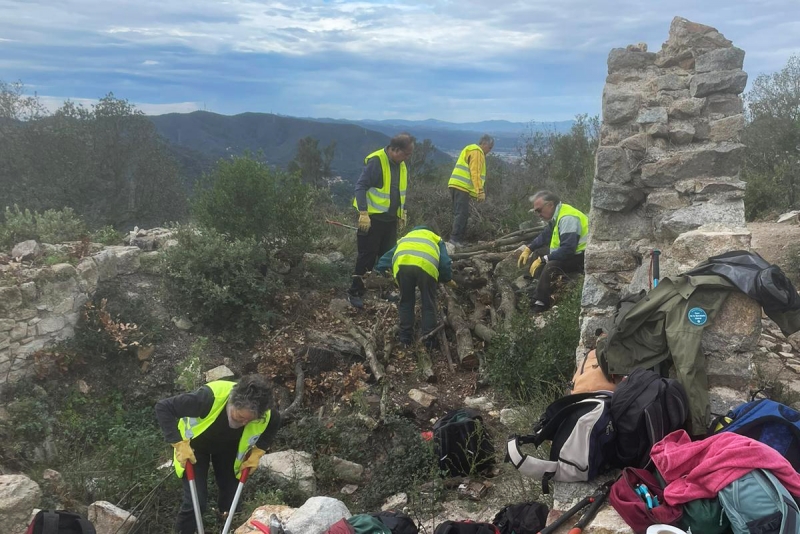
252, 460
452, 284
481, 196
184, 452
535, 265
523, 258
403, 221
364, 222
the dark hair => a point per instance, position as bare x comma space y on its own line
402, 141
252, 392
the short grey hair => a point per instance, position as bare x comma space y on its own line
486, 139
547, 196
253, 393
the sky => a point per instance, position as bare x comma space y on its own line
458, 61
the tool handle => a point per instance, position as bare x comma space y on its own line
244, 475
566, 516
189, 470
599, 500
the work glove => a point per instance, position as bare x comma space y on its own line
252, 459
481, 196
403, 221
451, 284
535, 265
523, 258
184, 452
364, 222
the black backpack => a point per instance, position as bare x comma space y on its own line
59, 522
462, 443
645, 408
397, 522
465, 527
524, 518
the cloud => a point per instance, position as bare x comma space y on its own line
52, 103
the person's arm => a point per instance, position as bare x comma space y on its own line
543, 239
476, 159
371, 176
168, 411
385, 263
569, 228
445, 264
268, 435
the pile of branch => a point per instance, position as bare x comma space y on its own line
493, 250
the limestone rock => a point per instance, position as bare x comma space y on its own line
710, 186
609, 257
483, 404
422, 398
615, 197
395, 502
687, 108
317, 515
106, 262
726, 81
671, 82
721, 160
19, 495
683, 220
127, 258
619, 105
638, 142
658, 131
620, 59
726, 129
596, 293
293, 466
182, 323
681, 133
614, 226
110, 519
347, 471
262, 515
510, 416
709, 240
721, 59
652, 115
664, 199
724, 104
27, 250
612, 166
219, 373
737, 326
88, 275
687, 35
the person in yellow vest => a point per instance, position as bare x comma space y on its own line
559, 247
419, 260
225, 424
466, 182
380, 199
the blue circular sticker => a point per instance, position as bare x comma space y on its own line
697, 316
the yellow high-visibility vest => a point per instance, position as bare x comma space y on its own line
566, 209
378, 200
420, 248
191, 427
461, 177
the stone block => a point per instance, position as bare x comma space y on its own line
607, 256
652, 115
63, 271
724, 399
10, 299
709, 240
292, 465
721, 160
724, 104
7, 324
612, 166
641, 278
681, 133
18, 496
731, 370
671, 82
316, 515
666, 58
110, 519
664, 199
619, 105
106, 263
638, 142
736, 327
615, 197
88, 275
687, 35
127, 259
596, 293
622, 59
219, 373
602, 319
726, 81
420, 397
687, 108
721, 59
710, 186
49, 325
347, 471
611, 135
683, 220
27, 250
19, 331
615, 226
726, 129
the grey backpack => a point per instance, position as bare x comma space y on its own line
757, 503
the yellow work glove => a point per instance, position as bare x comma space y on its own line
252, 459
364, 222
535, 265
403, 221
523, 258
184, 452
481, 196
451, 284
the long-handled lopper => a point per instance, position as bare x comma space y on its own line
596, 500
588, 515
198, 516
336, 223
236, 497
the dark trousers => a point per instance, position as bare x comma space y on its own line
460, 214
380, 239
573, 264
226, 483
410, 277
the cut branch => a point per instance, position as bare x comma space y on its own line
299, 391
444, 345
458, 322
508, 302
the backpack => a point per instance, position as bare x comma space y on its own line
769, 422
465, 527
367, 524
701, 515
645, 408
397, 522
340, 527
582, 437
59, 522
462, 443
633, 509
590, 377
524, 518
757, 503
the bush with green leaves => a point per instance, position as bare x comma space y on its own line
107, 235
244, 198
50, 226
220, 281
525, 360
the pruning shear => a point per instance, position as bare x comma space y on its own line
650, 500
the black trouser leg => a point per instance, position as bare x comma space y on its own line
460, 214
407, 278
553, 267
186, 524
382, 236
226, 479
427, 288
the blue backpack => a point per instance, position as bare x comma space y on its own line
769, 422
757, 503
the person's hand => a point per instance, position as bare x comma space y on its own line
252, 459
535, 265
452, 284
481, 196
364, 222
523, 258
403, 221
184, 452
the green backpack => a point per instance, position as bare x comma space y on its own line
703, 516
758, 503
367, 524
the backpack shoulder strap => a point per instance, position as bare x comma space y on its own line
85, 526
49, 522
549, 430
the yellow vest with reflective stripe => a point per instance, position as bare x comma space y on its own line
565, 210
461, 177
378, 200
420, 248
191, 427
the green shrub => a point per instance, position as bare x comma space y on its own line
190, 369
107, 235
218, 281
525, 360
51, 226
245, 199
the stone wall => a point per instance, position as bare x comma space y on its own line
41, 306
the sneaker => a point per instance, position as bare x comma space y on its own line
539, 306
356, 301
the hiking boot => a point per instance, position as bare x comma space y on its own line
405, 342
538, 307
356, 301
431, 343
393, 297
